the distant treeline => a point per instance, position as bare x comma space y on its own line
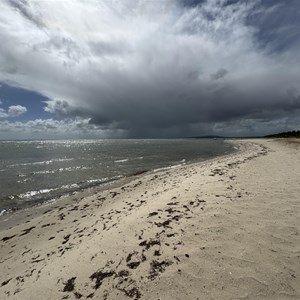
288, 134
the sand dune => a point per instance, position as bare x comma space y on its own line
227, 228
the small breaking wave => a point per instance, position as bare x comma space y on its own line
44, 193
23, 180
103, 180
35, 193
121, 160
69, 169
2, 212
169, 168
128, 159
45, 162
70, 186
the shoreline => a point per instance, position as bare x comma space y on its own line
18, 215
36, 194
225, 228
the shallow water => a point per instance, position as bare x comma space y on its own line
35, 171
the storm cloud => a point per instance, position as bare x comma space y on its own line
157, 68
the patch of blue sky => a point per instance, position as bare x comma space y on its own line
33, 101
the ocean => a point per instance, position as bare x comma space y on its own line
32, 172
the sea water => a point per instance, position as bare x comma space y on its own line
33, 172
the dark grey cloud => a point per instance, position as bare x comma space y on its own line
277, 23
192, 3
148, 68
23, 7
219, 74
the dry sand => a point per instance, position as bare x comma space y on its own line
223, 229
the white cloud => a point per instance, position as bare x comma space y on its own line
16, 110
13, 111
50, 128
146, 66
3, 113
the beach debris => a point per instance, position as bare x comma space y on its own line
114, 194
61, 216
66, 238
133, 265
77, 295
163, 224
99, 276
172, 203
6, 282
37, 260
123, 273
132, 293
26, 252
217, 172
69, 285
170, 210
154, 213
74, 208
158, 267
6, 238
171, 235
150, 243
134, 259
137, 184
26, 231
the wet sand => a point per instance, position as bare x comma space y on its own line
227, 228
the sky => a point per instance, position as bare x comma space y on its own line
148, 68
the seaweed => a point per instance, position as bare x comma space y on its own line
69, 285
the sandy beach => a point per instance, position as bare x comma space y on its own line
227, 228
